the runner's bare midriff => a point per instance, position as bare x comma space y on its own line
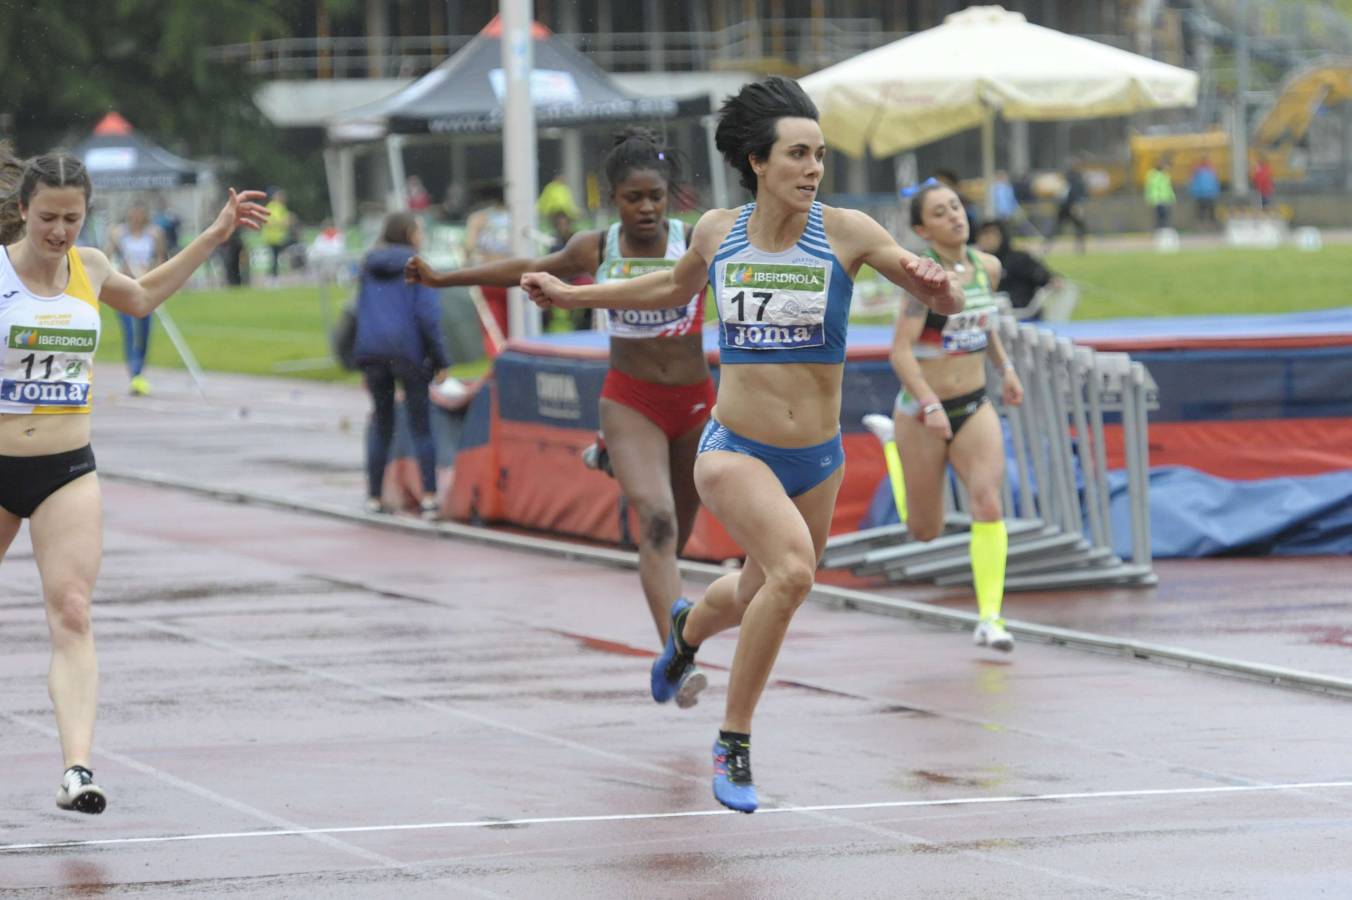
953, 376
30, 435
781, 404
662, 360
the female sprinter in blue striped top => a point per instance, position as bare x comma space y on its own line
770, 460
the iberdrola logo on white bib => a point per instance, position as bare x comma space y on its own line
71, 341
768, 276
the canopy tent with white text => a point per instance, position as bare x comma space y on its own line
463, 99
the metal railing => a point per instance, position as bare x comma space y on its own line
790, 45
1057, 493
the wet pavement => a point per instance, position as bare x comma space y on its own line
301, 442
1289, 612
297, 705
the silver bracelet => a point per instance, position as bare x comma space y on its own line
1007, 367
931, 407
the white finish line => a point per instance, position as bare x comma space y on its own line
690, 814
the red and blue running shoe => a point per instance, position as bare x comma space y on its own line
732, 775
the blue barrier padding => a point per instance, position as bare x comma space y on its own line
1312, 324
1229, 385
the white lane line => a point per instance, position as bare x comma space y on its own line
320, 836
282, 825
687, 814
809, 812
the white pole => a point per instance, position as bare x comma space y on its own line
347, 184
519, 151
718, 170
184, 351
333, 175
988, 161
394, 150
1239, 132
1019, 158
574, 168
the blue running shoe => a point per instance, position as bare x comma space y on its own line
732, 776
672, 664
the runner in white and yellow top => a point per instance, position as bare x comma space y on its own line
48, 342
942, 415
50, 292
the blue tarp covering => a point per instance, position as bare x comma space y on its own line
1194, 514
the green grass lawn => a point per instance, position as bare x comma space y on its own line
282, 331
1217, 281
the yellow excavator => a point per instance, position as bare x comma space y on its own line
1301, 98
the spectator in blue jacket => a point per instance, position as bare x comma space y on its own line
1205, 187
398, 339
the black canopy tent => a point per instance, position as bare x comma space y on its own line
463, 97
122, 164
464, 94
119, 159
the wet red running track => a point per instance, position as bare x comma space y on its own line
300, 706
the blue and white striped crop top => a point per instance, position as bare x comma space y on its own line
786, 307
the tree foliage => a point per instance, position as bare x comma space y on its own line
64, 63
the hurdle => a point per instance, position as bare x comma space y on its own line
1057, 491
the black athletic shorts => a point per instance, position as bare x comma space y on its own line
958, 409
25, 481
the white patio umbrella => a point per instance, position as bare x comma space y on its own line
980, 63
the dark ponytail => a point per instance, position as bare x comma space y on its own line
19, 180
636, 148
11, 173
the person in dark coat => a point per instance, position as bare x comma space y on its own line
398, 340
1025, 274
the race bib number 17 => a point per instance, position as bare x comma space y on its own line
766, 306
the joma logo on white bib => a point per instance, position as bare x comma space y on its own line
770, 335
45, 393
649, 316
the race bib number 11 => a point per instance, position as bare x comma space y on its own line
767, 306
48, 366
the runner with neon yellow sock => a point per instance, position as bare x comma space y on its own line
885, 432
942, 416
